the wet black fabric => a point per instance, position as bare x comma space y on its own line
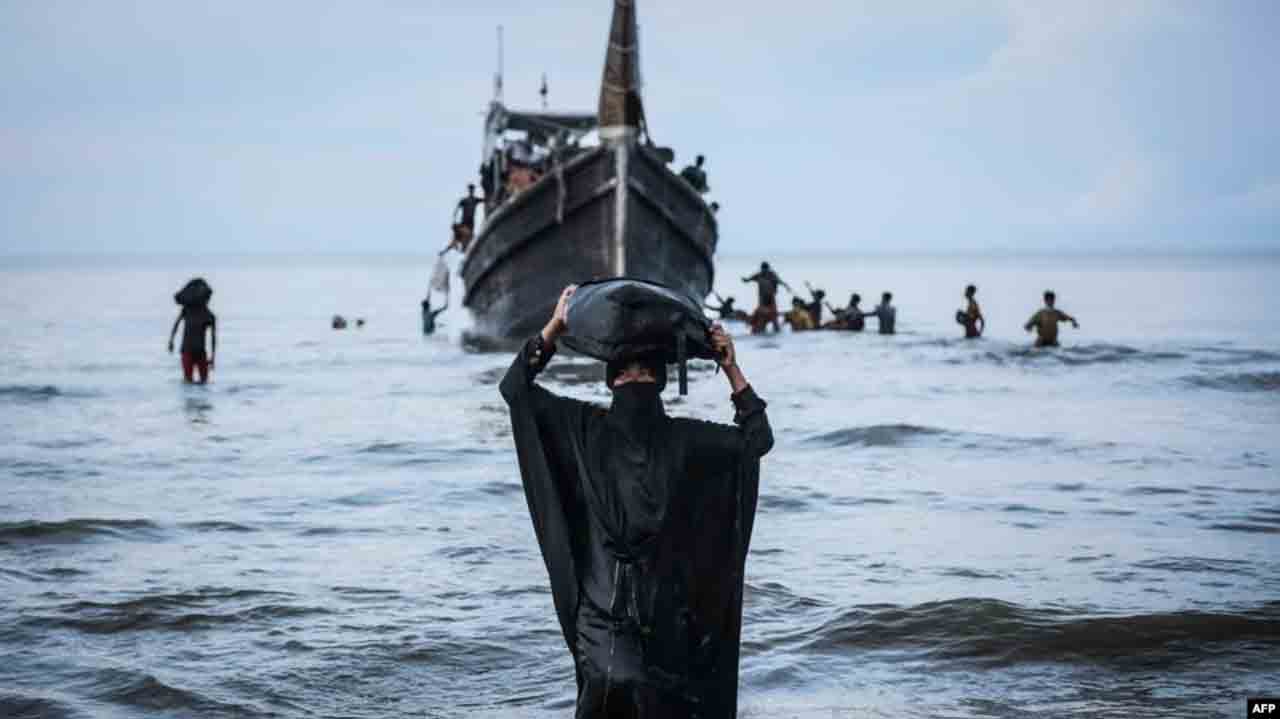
623, 319
644, 522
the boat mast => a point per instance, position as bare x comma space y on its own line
497, 76
621, 115
620, 112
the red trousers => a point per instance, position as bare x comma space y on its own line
195, 361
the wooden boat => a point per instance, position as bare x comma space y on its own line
570, 212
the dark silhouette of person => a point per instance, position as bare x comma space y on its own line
848, 318
464, 221
696, 176
465, 213
798, 317
886, 313
644, 522
1045, 321
767, 283
429, 315
727, 310
815, 307
974, 323
196, 320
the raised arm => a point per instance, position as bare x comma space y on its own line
716, 448
518, 386
174, 331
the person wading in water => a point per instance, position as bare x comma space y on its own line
767, 282
196, 320
644, 522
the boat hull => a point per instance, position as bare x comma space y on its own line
613, 211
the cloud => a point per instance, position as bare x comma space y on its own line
855, 126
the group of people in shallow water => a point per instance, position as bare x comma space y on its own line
808, 315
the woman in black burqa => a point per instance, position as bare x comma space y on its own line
643, 521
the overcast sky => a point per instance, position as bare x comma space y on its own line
341, 127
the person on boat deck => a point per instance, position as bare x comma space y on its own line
726, 310
848, 318
696, 176
1046, 320
644, 522
815, 307
974, 323
521, 173
429, 315
490, 184
799, 317
886, 313
464, 221
465, 213
196, 320
767, 283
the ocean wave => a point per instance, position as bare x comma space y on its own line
1197, 565
75, 530
145, 691
876, 435
246, 388
775, 502
1237, 382
38, 469
28, 392
194, 610
991, 631
1225, 356
1070, 355
899, 435
1249, 527
218, 526
389, 448
21, 706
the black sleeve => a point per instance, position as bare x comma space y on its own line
547, 430
715, 447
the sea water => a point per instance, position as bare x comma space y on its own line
334, 526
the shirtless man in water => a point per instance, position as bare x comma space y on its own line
1046, 322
